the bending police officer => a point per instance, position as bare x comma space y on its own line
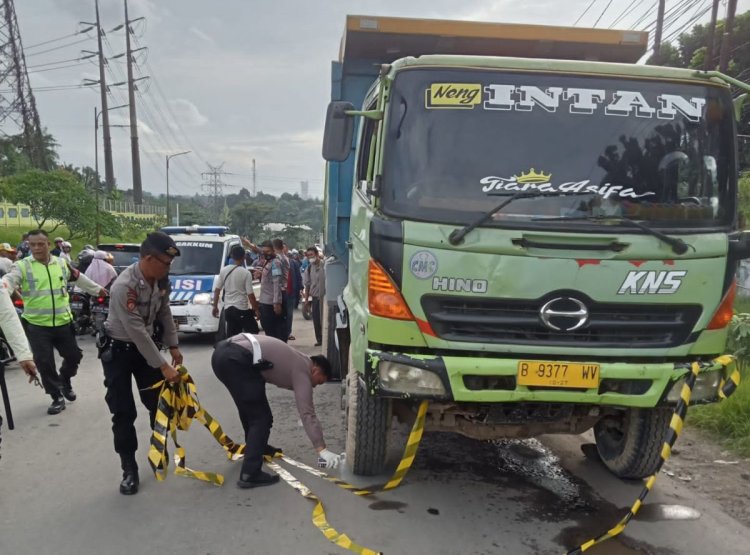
43, 281
244, 364
139, 303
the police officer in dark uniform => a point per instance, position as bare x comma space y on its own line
139, 303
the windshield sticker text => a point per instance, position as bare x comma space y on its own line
651, 283
539, 181
579, 101
459, 285
453, 95
192, 244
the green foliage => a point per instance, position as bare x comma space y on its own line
58, 196
249, 218
730, 419
743, 198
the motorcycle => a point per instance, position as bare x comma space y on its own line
80, 306
99, 313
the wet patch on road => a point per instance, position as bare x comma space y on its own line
543, 489
388, 506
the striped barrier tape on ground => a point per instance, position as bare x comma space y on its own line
319, 518
728, 384
319, 515
176, 409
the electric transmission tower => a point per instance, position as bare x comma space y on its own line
18, 113
214, 186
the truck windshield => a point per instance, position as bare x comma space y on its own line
198, 258
660, 152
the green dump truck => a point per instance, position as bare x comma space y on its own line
527, 229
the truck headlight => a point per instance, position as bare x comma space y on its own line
403, 378
706, 388
202, 298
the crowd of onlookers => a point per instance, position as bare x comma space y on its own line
288, 278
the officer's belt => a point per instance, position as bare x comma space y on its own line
119, 345
257, 355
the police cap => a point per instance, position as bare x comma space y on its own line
160, 242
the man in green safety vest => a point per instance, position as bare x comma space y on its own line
43, 280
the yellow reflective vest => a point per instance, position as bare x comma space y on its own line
45, 293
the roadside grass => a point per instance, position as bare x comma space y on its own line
729, 420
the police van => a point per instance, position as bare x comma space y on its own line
204, 251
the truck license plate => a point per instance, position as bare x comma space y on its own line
547, 373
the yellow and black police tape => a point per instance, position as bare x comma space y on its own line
176, 409
729, 382
319, 518
178, 406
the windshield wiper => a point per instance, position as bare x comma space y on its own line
458, 234
678, 245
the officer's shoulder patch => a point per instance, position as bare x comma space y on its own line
132, 299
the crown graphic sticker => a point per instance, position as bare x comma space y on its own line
533, 177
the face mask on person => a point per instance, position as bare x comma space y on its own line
269, 256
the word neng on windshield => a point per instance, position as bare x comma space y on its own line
198, 258
459, 140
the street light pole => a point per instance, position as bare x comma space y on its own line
167, 157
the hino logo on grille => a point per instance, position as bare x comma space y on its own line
564, 314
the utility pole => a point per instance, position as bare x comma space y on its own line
657, 33
726, 41
98, 184
708, 62
254, 191
109, 172
134, 150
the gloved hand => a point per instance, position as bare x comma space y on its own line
332, 459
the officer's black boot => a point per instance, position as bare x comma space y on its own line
57, 406
129, 483
67, 390
258, 479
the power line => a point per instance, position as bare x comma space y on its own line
603, 12
81, 32
58, 47
624, 12
56, 68
584, 12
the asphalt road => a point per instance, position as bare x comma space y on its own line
59, 477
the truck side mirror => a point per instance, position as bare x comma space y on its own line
339, 130
739, 245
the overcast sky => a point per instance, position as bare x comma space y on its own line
246, 79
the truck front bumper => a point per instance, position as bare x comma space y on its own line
493, 380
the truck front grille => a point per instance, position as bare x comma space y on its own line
518, 322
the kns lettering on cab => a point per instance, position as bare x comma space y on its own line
453, 95
650, 283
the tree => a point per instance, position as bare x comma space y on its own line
58, 198
249, 218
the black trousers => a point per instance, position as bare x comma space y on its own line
317, 318
118, 373
239, 321
232, 364
274, 324
43, 340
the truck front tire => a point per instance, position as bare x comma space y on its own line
368, 420
630, 444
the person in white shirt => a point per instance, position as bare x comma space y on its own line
240, 304
101, 271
